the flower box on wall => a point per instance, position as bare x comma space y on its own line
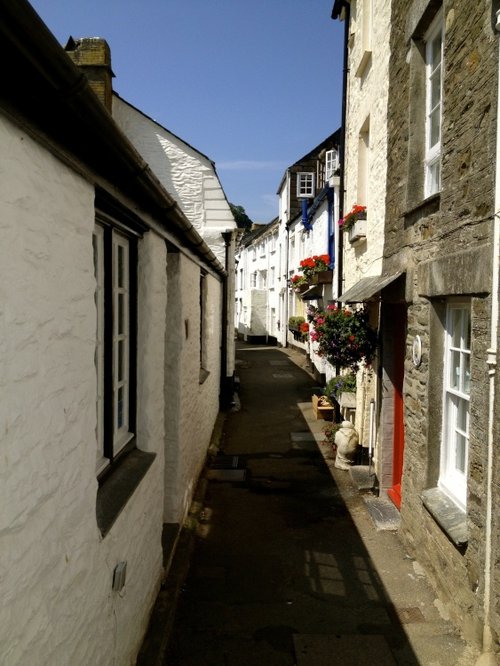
358, 231
322, 277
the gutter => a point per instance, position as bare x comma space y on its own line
28, 45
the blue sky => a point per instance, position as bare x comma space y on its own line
253, 85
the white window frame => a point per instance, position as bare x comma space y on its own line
331, 163
98, 244
456, 402
433, 105
121, 341
305, 185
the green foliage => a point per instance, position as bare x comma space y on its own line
330, 430
294, 323
341, 384
241, 218
344, 337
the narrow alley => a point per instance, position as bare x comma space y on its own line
288, 567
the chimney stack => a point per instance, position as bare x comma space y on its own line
93, 56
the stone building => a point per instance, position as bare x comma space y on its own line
112, 323
440, 221
439, 314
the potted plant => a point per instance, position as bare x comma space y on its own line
316, 268
341, 384
330, 430
299, 283
299, 328
345, 337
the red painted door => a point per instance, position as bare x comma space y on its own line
399, 347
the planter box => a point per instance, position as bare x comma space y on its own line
322, 412
357, 232
324, 277
348, 400
301, 288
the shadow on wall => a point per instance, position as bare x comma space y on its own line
244, 334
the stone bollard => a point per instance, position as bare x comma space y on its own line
346, 440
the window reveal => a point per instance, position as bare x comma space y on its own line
114, 266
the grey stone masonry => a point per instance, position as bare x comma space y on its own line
444, 243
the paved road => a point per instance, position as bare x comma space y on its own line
280, 575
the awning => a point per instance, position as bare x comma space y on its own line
368, 287
312, 293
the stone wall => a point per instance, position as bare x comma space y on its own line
444, 244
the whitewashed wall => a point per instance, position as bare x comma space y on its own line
191, 408
368, 97
55, 568
190, 178
185, 173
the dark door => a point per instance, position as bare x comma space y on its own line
398, 320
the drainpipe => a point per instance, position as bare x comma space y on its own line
305, 220
338, 7
487, 657
226, 383
286, 298
331, 229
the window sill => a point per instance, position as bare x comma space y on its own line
422, 209
204, 375
363, 63
450, 517
118, 487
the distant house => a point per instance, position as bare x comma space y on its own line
268, 257
114, 323
257, 292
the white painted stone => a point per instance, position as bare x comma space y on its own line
191, 408
55, 568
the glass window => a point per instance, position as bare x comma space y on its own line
455, 445
305, 185
434, 95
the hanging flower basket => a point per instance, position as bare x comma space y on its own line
344, 337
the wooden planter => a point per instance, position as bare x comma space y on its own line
324, 412
323, 277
